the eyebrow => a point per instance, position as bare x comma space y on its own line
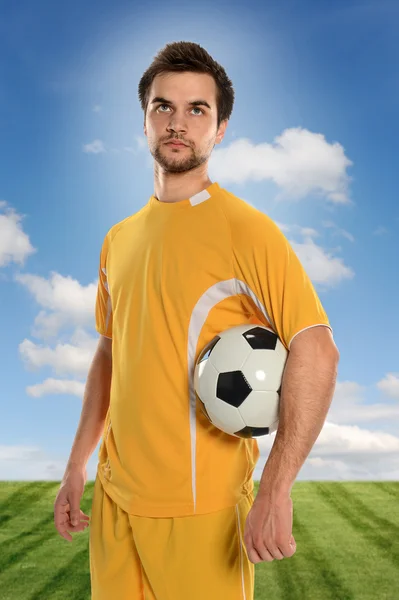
194, 103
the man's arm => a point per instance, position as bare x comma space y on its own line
95, 405
307, 389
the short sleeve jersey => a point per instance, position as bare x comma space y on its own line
172, 276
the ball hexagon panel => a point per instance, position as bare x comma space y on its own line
224, 416
225, 356
260, 408
262, 369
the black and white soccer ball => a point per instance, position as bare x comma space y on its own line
237, 378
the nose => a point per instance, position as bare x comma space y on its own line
176, 125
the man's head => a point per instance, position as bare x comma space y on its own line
184, 73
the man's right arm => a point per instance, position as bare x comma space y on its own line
95, 405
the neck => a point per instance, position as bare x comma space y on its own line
173, 187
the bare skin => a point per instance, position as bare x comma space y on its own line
95, 405
181, 172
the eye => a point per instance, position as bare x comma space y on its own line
194, 108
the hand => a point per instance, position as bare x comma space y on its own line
268, 529
67, 513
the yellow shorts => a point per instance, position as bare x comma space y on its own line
199, 557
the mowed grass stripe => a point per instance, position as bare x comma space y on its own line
70, 574
312, 571
374, 493
343, 531
16, 548
19, 497
32, 550
16, 540
379, 531
361, 539
388, 487
322, 565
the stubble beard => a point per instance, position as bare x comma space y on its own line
175, 163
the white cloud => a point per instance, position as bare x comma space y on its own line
338, 230
380, 230
31, 463
98, 146
141, 142
299, 161
94, 147
321, 266
15, 246
57, 387
64, 359
345, 452
335, 440
390, 385
349, 405
309, 232
66, 302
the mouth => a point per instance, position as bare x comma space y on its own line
176, 144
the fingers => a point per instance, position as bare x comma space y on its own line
75, 516
257, 556
258, 552
277, 553
65, 509
268, 554
65, 526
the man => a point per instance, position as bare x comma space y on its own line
173, 514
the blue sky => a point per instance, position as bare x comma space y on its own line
315, 111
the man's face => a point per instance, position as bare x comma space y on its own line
176, 119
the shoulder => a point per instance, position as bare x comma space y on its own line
246, 220
126, 222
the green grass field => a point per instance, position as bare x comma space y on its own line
347, 538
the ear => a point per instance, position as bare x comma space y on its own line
221, 131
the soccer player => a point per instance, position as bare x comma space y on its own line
172, 492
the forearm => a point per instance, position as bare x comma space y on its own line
95, 405
307, 389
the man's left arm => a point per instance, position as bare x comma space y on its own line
307, 389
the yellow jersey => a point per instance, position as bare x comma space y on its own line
171, 277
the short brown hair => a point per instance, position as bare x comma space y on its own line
188, 56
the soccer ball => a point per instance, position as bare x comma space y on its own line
237, 378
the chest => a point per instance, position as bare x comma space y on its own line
170, 257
